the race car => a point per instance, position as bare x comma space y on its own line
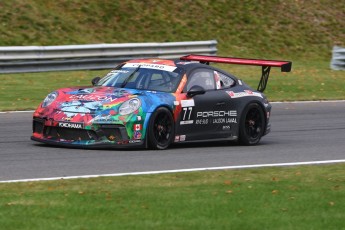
152, 103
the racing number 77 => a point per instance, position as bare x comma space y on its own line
187, 111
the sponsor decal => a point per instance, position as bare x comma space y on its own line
187, 103
180, 138
189, 122
226, 127
224, 120
134, 141
71, 125
206, 114
201, 121
95, 97
151, 66
101, 118
245, 93
137, 135
137, 127
177, 138
119, 71
184, 63
92, 97
66, 118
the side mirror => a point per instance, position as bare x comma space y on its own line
95, 80
195, 90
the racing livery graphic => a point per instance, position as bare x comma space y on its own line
152, 103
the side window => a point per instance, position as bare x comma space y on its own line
203, 78
156, 82
223, 81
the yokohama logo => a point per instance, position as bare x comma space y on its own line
70, 125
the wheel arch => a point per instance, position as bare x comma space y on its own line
148, 121
243, 137
262, 106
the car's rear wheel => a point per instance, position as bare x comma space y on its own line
161, 129
252, 125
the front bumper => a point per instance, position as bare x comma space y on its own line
96, 136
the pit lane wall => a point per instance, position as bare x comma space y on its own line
20, 59
338, 58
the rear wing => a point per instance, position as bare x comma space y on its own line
285, 66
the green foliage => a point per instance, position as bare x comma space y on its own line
309, 197
263, 29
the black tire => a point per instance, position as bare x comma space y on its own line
252, 125
161, 129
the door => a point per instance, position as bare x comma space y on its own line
205, 116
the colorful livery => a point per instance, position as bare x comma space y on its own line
153, 103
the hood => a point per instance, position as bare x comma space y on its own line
84, 104
91, 100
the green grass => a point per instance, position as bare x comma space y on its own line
25, 91
267, 28
308, 197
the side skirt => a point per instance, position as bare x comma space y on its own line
232, 138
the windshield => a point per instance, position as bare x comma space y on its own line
144, 76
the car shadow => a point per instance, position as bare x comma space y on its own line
180, 145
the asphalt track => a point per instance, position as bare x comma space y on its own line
301, 132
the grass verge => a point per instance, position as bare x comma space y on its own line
245, 28
306, 197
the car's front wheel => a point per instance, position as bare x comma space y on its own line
161, 129
252, 125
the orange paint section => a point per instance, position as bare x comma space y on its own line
180, 96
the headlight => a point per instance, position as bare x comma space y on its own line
49, 99
129, 106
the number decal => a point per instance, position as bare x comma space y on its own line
187, 114
187, 111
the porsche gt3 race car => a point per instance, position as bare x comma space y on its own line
153, 103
